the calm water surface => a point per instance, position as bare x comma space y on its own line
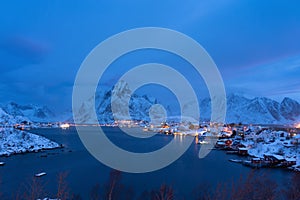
84, 171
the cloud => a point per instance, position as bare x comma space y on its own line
19, 51
280, 77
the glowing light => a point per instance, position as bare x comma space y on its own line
297, 125
64, 126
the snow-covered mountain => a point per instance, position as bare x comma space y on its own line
138, 105
260, 110
34, 113
9, 120
290, 109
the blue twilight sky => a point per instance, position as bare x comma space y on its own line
255, 43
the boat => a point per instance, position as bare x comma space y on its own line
203, 142
235, 160
231, 152
40, 174
2, 163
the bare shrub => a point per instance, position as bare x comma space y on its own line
112, 187
165, 192
63, 192
34, 190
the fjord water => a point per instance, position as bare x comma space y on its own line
84, 171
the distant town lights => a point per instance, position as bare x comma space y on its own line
64, 126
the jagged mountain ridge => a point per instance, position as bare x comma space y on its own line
33, 113
260, 110
138, 105
9, 120
290, 109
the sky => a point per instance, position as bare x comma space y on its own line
255, 44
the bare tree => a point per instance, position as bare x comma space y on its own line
164, 193
257, 186
62, 187
112, 188
34, 190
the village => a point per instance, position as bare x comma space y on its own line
273, 146
263, 146
257, 145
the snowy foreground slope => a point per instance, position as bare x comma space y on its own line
15, 141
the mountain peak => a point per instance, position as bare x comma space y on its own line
261, 110
33, 112
121, 88
290, 108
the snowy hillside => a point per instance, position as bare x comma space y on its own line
9, 120
15, 141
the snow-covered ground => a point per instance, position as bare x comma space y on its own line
15, 141
276, 143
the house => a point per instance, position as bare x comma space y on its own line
243, 151
220, 144
282, 135
296, 139
165, 128
289, 162
254, 163
228, 143
273, 159
256, 160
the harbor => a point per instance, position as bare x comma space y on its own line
75, 160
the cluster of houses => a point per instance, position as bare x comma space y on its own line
267, 147
271, 160
263, 146
176, 128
